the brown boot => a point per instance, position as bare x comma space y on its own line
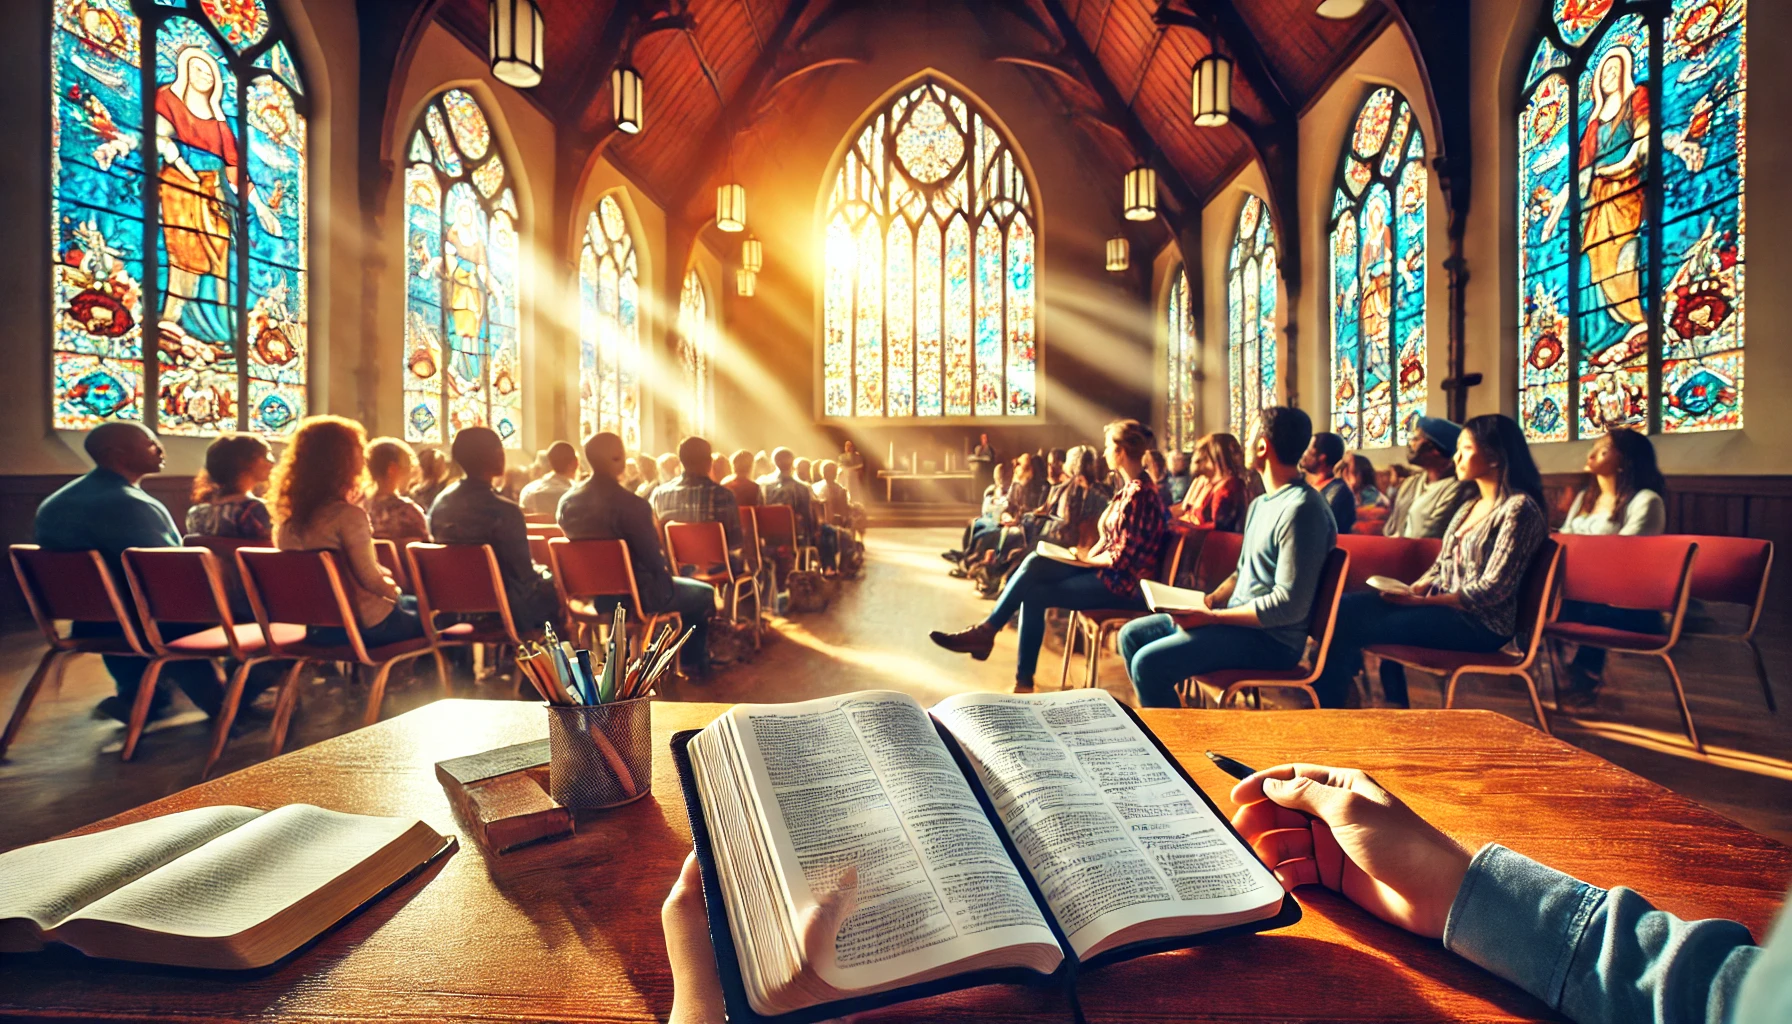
1023, 685
976, 641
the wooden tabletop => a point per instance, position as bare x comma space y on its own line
569, 930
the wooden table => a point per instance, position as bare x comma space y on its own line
890, 476
569, 930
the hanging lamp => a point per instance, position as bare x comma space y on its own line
514, 43
745, 281
1211, 91
1119, 253
1140, 193
1340, 10
627, 101
752, 255
731, 208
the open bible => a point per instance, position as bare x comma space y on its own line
214, 887
1059, 553
996, 838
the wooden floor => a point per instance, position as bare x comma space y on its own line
64, 769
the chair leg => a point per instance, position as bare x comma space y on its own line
1092, 664
1536, 703
146, 692
1450, 690
1761, 674
233, 697
1556, 671
52, 659
1692, 734
377, 693
283, 708
1069, 647
442, 671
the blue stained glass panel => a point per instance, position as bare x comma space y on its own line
1022, 399
1346, 343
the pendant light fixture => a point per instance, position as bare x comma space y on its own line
1140, 193
627, 102
1212, 91
752, 255
1119, 253
1340, 10
731, 208
745, 281
514, 43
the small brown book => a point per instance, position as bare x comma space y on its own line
502, 794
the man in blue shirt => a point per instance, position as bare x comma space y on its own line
471, 512
600, 508
1258, 617
106, 511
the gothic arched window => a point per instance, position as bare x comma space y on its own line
609, 327
1251, 280
463, 356
1181, 428
193, 291
929, 289
696, 356
1631, 219
1378, 276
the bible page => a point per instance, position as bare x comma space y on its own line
45, 883
1114, 836
864, 780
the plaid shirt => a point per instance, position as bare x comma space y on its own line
698, 499
1133, 529
784, 489
1485, 566
396, 517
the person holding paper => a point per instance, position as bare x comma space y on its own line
1105, 576
1257, 618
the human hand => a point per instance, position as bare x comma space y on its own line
1194, 619
1338, 828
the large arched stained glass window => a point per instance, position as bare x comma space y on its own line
609, 327
929, 290
1378, 276
207, 268
696, 356
1180, 426
1631, 219
1251, 281
462, 352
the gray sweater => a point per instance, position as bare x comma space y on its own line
1287, 535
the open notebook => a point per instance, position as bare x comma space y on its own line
997, 838
214, 887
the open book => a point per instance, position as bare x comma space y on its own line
1160, 597
216, 887
1026, 834
1059, 553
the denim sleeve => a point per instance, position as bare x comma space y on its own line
1594, 955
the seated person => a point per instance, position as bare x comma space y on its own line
1181, 476
719, 467
106, 511
840, 513
1425, 503
1074, 519
1257, 618
741, 482
1157, 470
1320, 464
542, 495
600, 509
223, 505
995, 502
395, 517
695, 498
1106, 576
312, 493
1028, 493
472, 512
432, 477
783, 488
665, 470
1218, 493
1468, 599
1371, 505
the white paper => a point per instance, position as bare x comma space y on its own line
1162, 598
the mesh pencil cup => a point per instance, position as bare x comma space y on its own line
600, 755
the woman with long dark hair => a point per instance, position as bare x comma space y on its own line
1468, 599
224, 504
1622, 495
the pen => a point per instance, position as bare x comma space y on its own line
1236, 769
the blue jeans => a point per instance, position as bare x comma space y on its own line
695, 603
1365, 620
1631, 620
1160, 654
1041, 583
399, 625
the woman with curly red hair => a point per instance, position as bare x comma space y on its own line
312, 492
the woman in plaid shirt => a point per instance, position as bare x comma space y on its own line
1105, 576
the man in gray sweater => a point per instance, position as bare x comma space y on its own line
1257, 618
1426, 501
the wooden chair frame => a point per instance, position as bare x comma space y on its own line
509, 637
1747, 637
732, 586
1337, 567
598, 623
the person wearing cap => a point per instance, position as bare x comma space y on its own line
1426, 502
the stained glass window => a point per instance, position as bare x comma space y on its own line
207, 269
1631, 219
610, 327
696, 352
929, 285
463, 354
1181, 428
1378, 276
1252, 278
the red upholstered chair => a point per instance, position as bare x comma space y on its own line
588, 571
1225, 687
1735, 570
1218, 559
538, 518
72, 585
1534, 599
777, 531
393, 562
226, 548
463, 579
1095, 626
705, 546
1645, 573
1401, 558
185, 586
304, 588
752, 554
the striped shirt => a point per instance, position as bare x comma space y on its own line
1485, 565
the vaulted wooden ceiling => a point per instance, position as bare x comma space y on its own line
1121, 68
